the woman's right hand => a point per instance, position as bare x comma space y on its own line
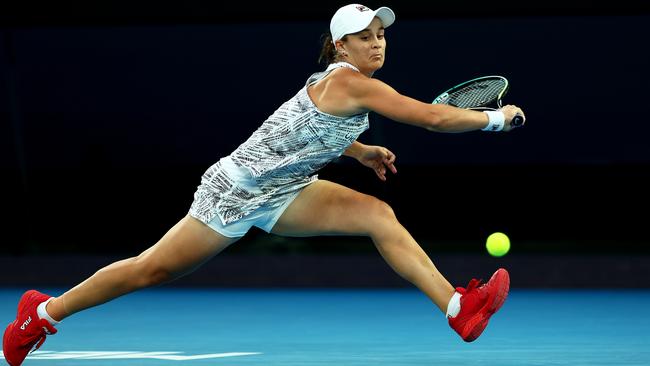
510, 111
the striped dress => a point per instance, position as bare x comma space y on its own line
281, 157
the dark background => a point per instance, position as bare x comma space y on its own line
111, 112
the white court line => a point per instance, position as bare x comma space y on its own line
123, 355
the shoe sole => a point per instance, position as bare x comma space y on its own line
502, 278
5, 340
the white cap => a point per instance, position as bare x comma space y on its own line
354, 18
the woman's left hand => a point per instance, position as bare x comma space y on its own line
378, 158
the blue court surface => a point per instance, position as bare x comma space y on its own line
172, 326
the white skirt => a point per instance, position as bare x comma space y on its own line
230, 201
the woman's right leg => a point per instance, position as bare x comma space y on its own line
184, 248
329, 208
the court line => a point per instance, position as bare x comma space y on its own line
120, 355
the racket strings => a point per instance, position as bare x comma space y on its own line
477, 94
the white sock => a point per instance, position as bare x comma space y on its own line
42, 313
453, 308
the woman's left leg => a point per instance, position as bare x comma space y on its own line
185, 247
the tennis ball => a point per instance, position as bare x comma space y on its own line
497, 244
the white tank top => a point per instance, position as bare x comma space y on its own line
281, 156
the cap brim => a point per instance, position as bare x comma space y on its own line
386, 16
361, 22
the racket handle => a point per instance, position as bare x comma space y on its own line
517, 120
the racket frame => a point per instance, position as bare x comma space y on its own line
442, 98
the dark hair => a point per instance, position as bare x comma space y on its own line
328, 53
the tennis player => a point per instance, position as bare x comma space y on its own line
270, 182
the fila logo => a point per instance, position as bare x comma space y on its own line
362, 8
26, 323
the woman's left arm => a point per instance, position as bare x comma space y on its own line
354, 150
377, 158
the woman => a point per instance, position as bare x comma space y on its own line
270, 182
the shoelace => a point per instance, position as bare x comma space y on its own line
46, 329
39, 344
470, 286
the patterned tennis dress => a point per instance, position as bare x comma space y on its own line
280, 158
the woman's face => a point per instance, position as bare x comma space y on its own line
366, 49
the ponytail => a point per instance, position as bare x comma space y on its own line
328, 53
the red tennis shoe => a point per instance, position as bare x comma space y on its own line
477, 304
27, 333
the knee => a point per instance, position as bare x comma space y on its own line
148, 274
384, 228
382, 215
385, 212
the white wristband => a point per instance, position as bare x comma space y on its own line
496, 121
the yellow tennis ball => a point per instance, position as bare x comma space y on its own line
497, 244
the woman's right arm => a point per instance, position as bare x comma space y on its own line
375, 95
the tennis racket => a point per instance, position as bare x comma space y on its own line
482, 93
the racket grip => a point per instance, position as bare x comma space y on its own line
517, 120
